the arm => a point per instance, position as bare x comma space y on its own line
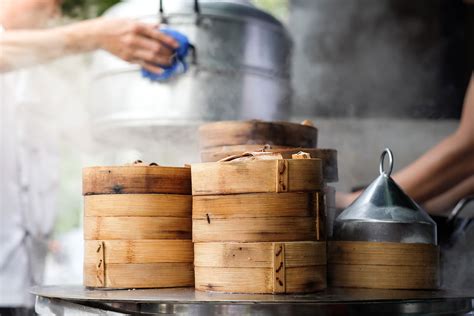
446, 165
130, 40
444, 172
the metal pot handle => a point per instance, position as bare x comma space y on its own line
197, 11
388, 152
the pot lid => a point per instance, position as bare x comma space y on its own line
384, 213
237, 9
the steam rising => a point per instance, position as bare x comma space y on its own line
365, 58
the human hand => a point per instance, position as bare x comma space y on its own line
136, 42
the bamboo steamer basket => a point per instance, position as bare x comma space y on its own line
137, 238
383, 265
284, 134
259, 217
384, 240
328, 156
259, 176
256, 224
264, 267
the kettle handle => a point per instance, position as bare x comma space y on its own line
197, 11
388, 152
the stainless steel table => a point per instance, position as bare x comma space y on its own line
77, 301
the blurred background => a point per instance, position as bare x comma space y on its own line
369, 73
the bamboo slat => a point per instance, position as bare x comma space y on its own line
255, 205
267, 267
162, 205
136, 179
258, 254
383, 265
124, 228
382, 253
383, 276
146, 275
260, 176
229, 133
139, 251
328, 156
259, 280
255, 229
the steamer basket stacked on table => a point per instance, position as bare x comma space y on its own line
227, 138
137, 227
384, 240
258, 225
219, 140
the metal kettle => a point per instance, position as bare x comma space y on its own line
384, 213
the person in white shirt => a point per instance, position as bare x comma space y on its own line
28, 159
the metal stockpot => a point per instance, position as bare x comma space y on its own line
384, 213
240, 70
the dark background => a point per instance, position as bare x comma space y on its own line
373, 58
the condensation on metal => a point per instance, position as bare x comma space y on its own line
241, 69
70, 300
384, 213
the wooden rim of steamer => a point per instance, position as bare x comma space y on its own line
257, 229
140, 251
160, 205
273, 267
142, 227
254, 205
383, 265
136, 179
259, 176
143, 275
228, 133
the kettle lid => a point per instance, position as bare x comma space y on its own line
384, 213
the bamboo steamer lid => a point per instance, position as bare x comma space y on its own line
259, 176
229, 133
328, 156
138, 179
265, 267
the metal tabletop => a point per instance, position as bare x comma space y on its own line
78, 300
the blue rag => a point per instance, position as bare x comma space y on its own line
179, 64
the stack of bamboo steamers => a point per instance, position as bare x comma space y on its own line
137, 227
259, 225
258, 218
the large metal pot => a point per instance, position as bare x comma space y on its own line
241, 69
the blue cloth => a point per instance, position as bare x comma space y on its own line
178, 65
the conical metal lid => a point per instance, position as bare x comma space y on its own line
384, 213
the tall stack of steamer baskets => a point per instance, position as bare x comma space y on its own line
259, 226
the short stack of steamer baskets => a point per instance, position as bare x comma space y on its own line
137, 227
258, 225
